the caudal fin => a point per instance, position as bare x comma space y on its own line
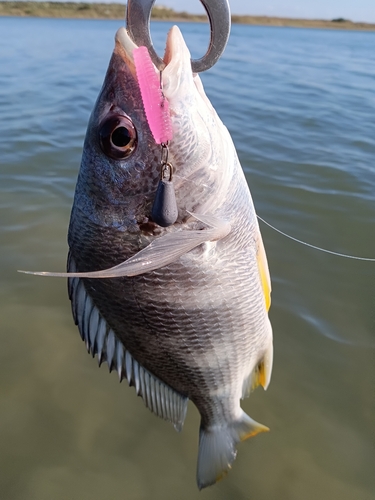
217, 448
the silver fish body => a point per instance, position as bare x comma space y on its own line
188, 319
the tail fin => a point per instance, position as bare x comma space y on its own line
217, 448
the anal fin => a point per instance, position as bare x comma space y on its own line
261, 374
264, 271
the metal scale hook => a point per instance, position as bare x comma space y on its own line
164, 210
138, 14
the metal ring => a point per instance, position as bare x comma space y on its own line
138, 14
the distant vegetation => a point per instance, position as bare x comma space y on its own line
85, 10
117, 11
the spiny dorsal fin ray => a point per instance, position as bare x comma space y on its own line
100, 339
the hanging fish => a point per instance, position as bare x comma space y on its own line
178, 309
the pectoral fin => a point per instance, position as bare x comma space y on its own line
161, 252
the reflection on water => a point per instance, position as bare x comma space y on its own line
300, 107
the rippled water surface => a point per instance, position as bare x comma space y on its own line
300, 105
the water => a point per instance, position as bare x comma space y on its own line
300, 105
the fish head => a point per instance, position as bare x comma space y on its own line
120, 164
121, 161
202, 151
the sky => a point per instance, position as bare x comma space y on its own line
354, 10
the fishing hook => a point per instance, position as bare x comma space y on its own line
138, 13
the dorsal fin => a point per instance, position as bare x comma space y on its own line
102, 341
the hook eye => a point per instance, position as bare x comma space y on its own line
138, 13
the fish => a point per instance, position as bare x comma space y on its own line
179, 311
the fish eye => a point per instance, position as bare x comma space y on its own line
118, 137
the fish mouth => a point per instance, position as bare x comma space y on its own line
175, 49
124, 47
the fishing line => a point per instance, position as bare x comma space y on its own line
313, 246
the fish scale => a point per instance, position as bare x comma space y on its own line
162, 321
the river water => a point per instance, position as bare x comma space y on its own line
300, 105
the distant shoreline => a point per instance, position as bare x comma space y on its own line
75, 10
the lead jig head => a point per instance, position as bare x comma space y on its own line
164, 209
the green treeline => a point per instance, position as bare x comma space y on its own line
117, 11
83, 10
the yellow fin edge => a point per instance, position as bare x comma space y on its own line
264, 272
260, 428
259, 376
